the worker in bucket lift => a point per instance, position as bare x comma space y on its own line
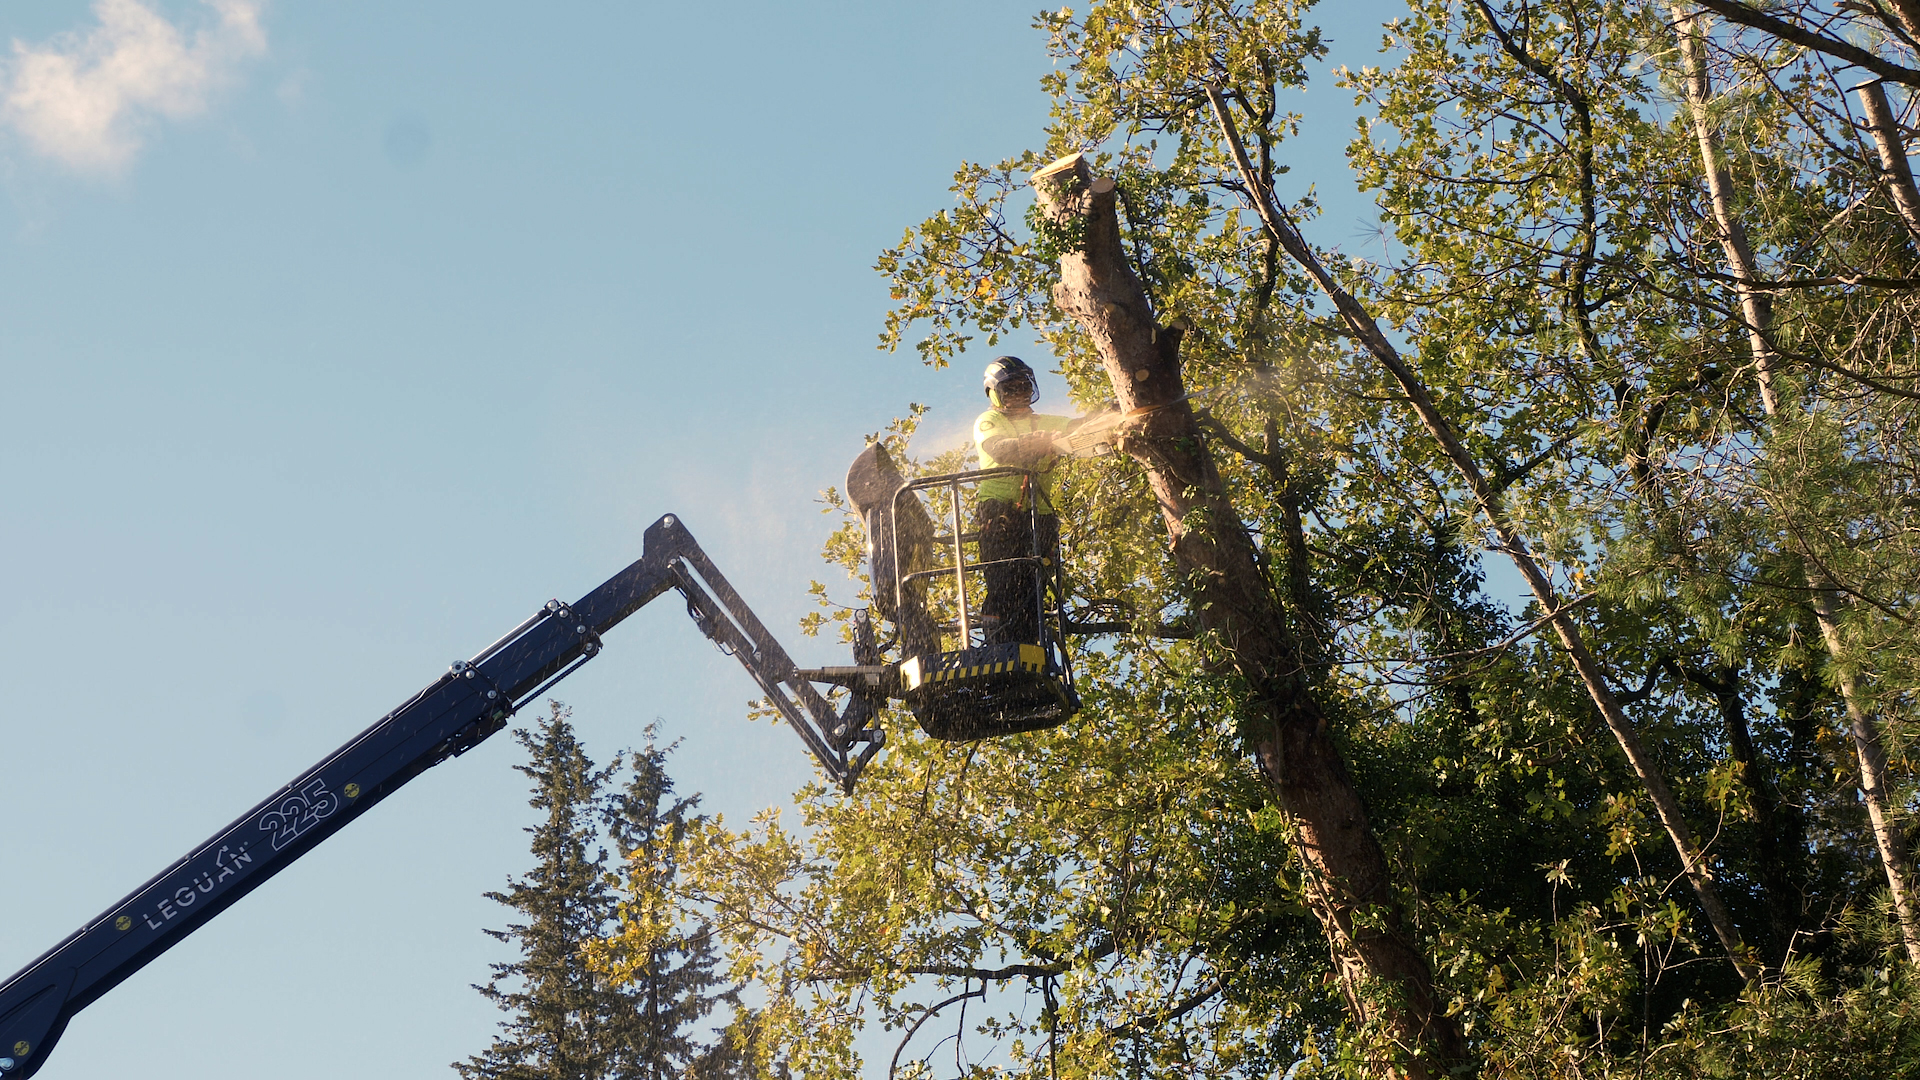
1011, 433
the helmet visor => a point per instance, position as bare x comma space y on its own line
1015, 390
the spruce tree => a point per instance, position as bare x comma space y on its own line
567, 1020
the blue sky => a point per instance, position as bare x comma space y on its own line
339, 337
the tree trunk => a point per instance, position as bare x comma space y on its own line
1364, 329
1382, 970
1873, 778
1755, 306
1868, 752
1906, 18
1895, 173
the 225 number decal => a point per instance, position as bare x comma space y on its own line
299, 812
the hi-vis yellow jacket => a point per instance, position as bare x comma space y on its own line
1003, 439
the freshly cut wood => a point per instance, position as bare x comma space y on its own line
1062, 165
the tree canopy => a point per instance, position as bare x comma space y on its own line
1644, 330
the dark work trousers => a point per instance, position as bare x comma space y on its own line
1015, 593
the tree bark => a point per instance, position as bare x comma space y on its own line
1746, 15
1383, 972
1907, 18
1755, 306
1868, 751
1488, 498
1872, 756
1894, 171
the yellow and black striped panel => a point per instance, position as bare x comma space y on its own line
969, 665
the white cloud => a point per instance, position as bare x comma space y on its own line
83, 98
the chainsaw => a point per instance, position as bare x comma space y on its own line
1095, 434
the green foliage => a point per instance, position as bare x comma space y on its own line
1803, 1027
1084, 877
1120, 896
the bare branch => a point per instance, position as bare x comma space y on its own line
1140, 1025
893, 1067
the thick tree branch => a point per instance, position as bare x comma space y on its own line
1736, 12
1903, 20
999, 974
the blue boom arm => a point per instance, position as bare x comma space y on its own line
455, 713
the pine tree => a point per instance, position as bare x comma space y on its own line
568, 1019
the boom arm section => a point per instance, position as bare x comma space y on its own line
453, 714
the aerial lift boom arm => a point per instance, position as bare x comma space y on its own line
450, 716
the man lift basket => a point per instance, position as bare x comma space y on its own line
961, 681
